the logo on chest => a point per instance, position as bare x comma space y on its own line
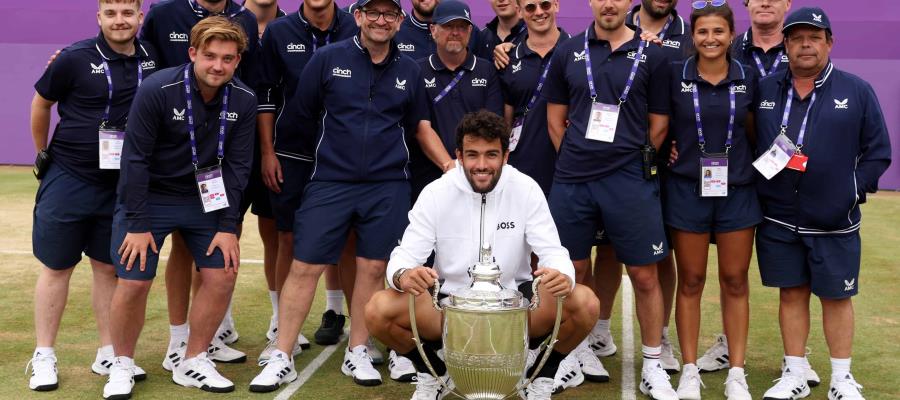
296, 48
178, 37
687, 87
671, 43
740, 89
506, 225
767, 105
342, 73
96, 69
149, 64
406, 47
177, 115
230, 116
400, 85
517, 67
579, 56
479, 82
633, 54
841, 104
430, 83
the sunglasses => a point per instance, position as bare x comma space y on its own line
532, 7
701, 4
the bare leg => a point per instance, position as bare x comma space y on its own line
346, 270
734, 249
369, 279
607, 278
269, 236
101, 297
793, 314
50, 295
178, 280
387, 317
691, 250
580, 311
837, 320
209, 308
284, 259
648, 301
126, 317
665, 269
295, 300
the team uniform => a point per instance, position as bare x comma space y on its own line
414, 38
287, 46
160, 189
700, 201
764, 62
531, 150
94, 87
677, 43
812, 218
603, 179
488, 38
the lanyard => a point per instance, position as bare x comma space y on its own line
787, 113
590, 74
540, 86
315, 40
449, 87
662, 33
762, 69
190, 119
199, 10
731, 112
109, 83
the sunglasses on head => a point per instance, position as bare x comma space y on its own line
532, 7
701, 4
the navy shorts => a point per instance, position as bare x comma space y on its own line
296, 175
376, 210
628, 206
71, 216
167, 215
829, 264
256, 196
685, 210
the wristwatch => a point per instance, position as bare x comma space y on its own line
396, 278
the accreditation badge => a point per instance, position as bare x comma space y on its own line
603, 122
798, 162
516, 134
111, 141
776, 157
714, 175
212, 189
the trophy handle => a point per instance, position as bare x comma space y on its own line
535, 296
551, 341
418, 340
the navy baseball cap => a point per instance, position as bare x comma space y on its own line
362, 3
814, 16
452, 10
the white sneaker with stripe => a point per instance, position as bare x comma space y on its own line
279, 370
655, 383
104, 361
121, 380
174, 356
402, 369
220, 352
358, 364
790, 386
716, 357
43, 372
200, 372
845, 389
568, 375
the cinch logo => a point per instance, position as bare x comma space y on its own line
784, 58
579, 56
430, 83
687, 87
177, 115
401, 85
178, 37
296, 48
149, 64
517, 67
506, 225
671, 43
633, 54
816, 17
657, 249
406, 47
96, 69
740, 89
841, 104
476, 82
849, 285
231, 116
342, 73
767, 105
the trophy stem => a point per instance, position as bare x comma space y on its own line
418, 340
548, 345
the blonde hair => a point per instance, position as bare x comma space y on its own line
139, 3
218, 28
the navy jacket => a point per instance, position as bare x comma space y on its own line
287, 46
847, 144
156, 158
743, 50
677, 42
77, 82
488, 38
359, 113
414, 38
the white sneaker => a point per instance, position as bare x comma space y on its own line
429, 388
667, 357
358, 364
530, 359
540, 389
736, 387
655, 383
591, 366
227, 332
200, 372
174, 356
120, 382
220, 352
845, 389
103, 362
272, 346
602, 343
279, 370
377, 356
716, 357
273, 328
690, 383
568, 375
43, 372
788, 387
302, 341
402, 369
812, 378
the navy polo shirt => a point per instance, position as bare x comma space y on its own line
714, 114
168, 24
743, 50
847, 144
77, 82
359, 113
676, 40
582, 159
156, 157
287, 46
414, 38
488, 38
534, 155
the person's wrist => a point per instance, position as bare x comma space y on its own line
397, 276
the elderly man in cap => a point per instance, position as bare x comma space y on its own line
822, 145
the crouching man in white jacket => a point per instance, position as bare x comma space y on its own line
446, 220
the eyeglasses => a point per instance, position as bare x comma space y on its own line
532, 7
701, 4
373, 15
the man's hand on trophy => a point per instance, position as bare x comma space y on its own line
417, 280
556, 282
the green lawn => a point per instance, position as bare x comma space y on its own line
877, 322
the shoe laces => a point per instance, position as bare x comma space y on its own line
204, 364
693, 376
120, 373
276, 363
739, 379
789, 381
270, 346
41, 363
426, 386
361, 355
848, 384
658, 376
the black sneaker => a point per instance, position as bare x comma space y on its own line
331, 329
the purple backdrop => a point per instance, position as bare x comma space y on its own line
32, 30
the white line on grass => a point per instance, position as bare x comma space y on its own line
26, 252
628, 392
309, 370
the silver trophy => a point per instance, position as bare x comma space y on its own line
485, 333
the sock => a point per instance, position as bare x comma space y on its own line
602, 326
665, 333
651, 356
44, 351
535, 342
736, 371
840, 368
797, 365
334, 300
273, 298
126, 361
550, 367
439, 367
227, 320
178, 334
106, 351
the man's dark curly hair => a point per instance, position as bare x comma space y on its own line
483, 124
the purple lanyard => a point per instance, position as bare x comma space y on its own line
449, 87
190, 119
315, 40
787, 113
662, 33
539, 88
590, 74
731, 112
762, 69
109, 82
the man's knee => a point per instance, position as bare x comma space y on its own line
133, 288
379, 311
644, 278
371, 269
582, 305
795, 295
57, 274
218, 280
